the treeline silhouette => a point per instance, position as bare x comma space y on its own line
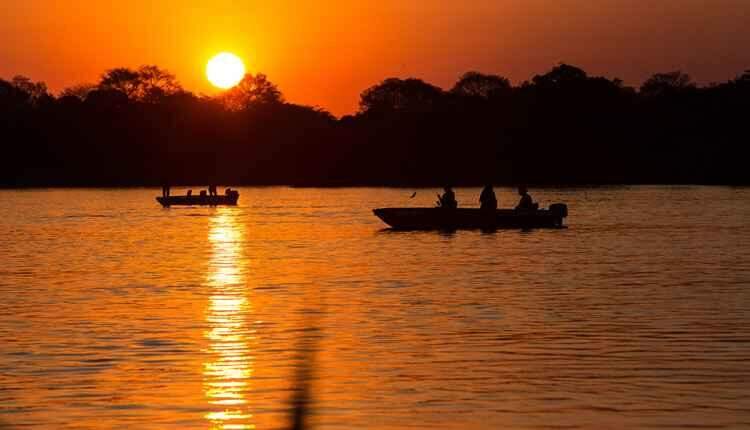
140, 127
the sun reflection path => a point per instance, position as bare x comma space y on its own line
228, 374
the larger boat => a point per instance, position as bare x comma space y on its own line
228, 199
472, 218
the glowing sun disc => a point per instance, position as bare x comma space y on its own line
225, 70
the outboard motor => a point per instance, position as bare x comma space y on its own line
559, 209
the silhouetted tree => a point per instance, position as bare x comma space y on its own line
563, 74
147, 84
80, 91
475, 84
252, 90
37, 91
155, 84
121, 79
12, 97
667, 83
400, 95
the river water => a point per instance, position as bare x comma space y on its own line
116, 313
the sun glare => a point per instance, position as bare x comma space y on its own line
225, 70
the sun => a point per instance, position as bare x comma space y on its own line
225, 70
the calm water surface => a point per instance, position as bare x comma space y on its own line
116, 313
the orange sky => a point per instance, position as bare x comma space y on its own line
326, 52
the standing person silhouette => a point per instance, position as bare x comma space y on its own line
165, 189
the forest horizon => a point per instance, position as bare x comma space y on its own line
563, 127
325, 52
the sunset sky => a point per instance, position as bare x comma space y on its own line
326, 52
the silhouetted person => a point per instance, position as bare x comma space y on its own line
526, 202
487, 199
165, 189
448, 199
212, 190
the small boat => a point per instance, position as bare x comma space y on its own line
472, 218
229, 199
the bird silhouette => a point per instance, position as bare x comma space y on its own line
413, 195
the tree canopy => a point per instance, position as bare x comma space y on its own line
139, 126
475, 84
669, 83
148, 84
253, 90
400, 95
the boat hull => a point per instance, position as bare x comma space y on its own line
470, 218
219, 200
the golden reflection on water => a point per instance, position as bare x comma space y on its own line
227, 375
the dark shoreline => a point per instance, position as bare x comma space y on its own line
562, 128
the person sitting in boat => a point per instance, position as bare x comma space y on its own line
448, 199
487, 199
526, 203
